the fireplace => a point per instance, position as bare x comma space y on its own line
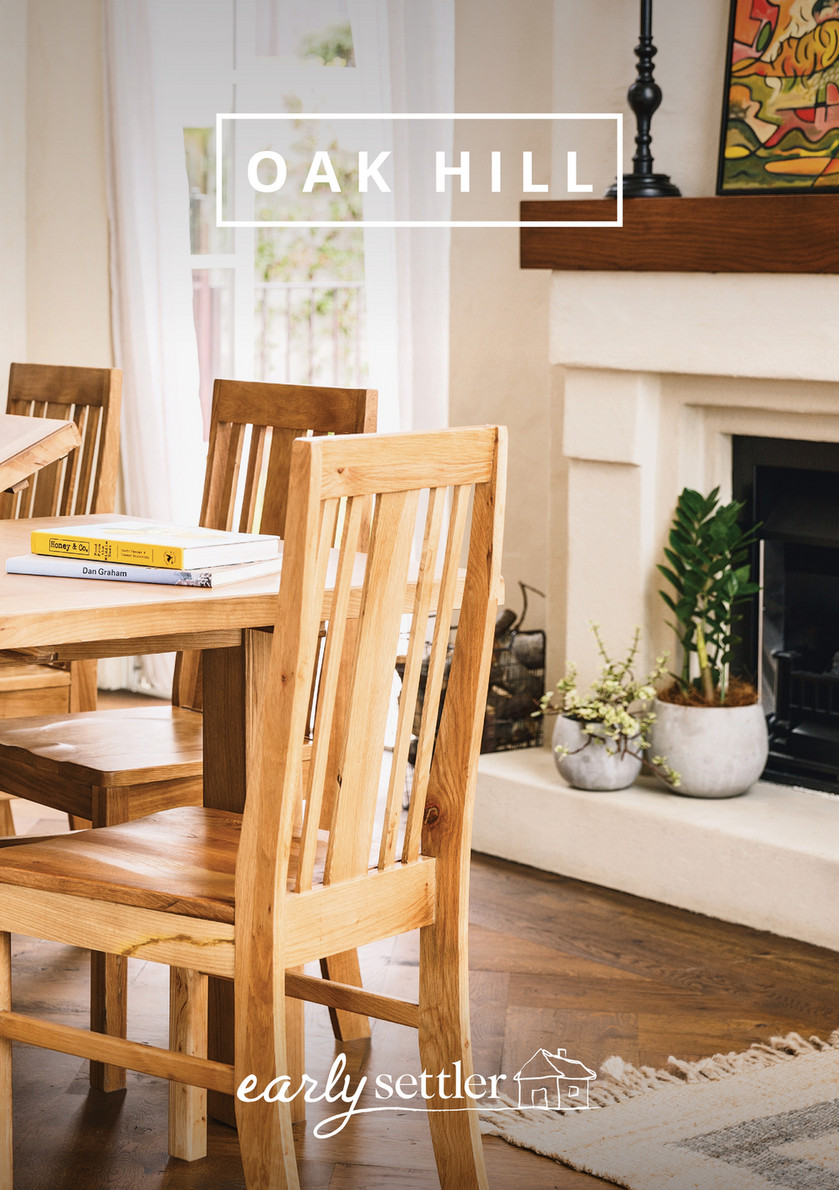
791, 638
656, 379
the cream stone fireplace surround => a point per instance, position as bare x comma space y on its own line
654, 374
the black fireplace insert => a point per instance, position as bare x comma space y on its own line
791, 633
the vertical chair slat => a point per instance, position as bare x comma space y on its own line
348, 851
80, 463
336, 514
64, 503
275, 500
254, 480
188, 681
47, 485
436, 670
223, 460
103, 494
235, 438
411, 676
328, 684
24, 503
47, 482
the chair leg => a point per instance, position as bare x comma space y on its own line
5, 1066
108, 1013
295, 1026
344, 968
443, 1041
108, 972
83, 693
7, 822
266, 1140
187, 1035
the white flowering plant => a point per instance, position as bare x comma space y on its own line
617, 708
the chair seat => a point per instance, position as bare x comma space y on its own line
177, 861
126, 746
30, 688
17, 675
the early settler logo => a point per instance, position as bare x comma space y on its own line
547, 1080
554, 1082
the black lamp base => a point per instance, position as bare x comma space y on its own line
645, 186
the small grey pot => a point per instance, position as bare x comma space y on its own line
596, 766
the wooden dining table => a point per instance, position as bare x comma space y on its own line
68, 619
74, 619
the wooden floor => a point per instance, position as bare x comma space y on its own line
554, 963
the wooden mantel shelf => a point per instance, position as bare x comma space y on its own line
736, 234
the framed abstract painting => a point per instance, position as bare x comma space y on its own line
780, 125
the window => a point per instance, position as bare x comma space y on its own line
273, 304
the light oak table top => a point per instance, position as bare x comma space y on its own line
29, 443
69, 619
105, 618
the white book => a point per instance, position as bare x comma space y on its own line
210, 576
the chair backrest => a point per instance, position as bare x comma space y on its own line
434, 493
252, 427
85, 481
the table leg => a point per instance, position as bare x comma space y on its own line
233, 679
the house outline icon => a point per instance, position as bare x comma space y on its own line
554, 1082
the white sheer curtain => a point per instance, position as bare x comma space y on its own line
414, 356
409, 47
151, 292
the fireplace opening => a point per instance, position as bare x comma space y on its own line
791, 631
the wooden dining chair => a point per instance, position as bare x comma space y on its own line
83, 482
110, 766
252, 898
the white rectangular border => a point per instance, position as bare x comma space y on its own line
222, 116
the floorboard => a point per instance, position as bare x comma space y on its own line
554, 962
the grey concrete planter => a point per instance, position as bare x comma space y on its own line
597, 766
719, 751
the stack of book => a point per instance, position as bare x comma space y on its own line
149, 552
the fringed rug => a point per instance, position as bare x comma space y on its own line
760, 1120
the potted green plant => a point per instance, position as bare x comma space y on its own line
709, 722
600, 736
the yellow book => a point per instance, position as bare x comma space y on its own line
152, 543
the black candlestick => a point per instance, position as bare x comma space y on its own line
644, 98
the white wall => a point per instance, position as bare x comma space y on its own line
499, 314
12, 182
54, 300
67, 224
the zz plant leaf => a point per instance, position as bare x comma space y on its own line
708, 571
